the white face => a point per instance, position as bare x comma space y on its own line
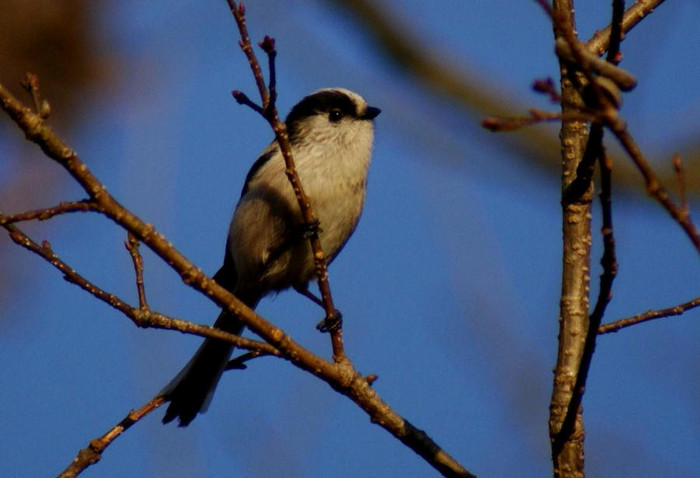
332, 115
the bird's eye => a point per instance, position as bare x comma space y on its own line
335, 115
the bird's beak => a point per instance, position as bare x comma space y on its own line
371, 112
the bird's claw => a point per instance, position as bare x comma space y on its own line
331, 323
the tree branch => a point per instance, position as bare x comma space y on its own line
647, 316
43, 214
91, 454
132, 245
268, 110
141, 317
600, 41
566, 434
653, 184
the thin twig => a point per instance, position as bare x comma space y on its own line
92, 453
546, 86
43, 214
268, 46
243, 99
500, 124
41, 106
653, 183
270, 113
612, 120
247, 47
141, 318
585, 168
647, 316
600, 41
680, 178
616, 36
132, 245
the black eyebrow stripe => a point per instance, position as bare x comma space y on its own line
323, 101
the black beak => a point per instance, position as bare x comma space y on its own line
371, 113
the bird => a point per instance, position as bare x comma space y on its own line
331, 134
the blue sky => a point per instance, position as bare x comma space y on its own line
449, 287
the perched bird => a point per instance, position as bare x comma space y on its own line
331, 132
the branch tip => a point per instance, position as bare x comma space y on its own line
268, 45
546, 86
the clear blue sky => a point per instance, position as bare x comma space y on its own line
449, 287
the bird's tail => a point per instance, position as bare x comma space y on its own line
190, 392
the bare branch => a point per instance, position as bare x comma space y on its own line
501, 124
247, 47
93, 452
600, 42
607, 112
653, 184
132, 245
43, 214
680, 178
268, 46
243, 99
647, 316
566, 430
332, 323
609, 262
31, 84
144, 318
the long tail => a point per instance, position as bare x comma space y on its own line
191, 390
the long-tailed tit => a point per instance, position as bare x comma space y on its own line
331, 133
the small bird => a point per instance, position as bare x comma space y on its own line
331, 132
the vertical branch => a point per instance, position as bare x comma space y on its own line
247, 47
578, 331
680, 178
132, 245
568, 454
332, 322
595, 151
609, 264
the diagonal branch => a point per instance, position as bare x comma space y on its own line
600, 41
653, 184
92, 453
141, 317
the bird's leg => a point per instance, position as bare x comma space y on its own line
309, 229
304, 290
331, 323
